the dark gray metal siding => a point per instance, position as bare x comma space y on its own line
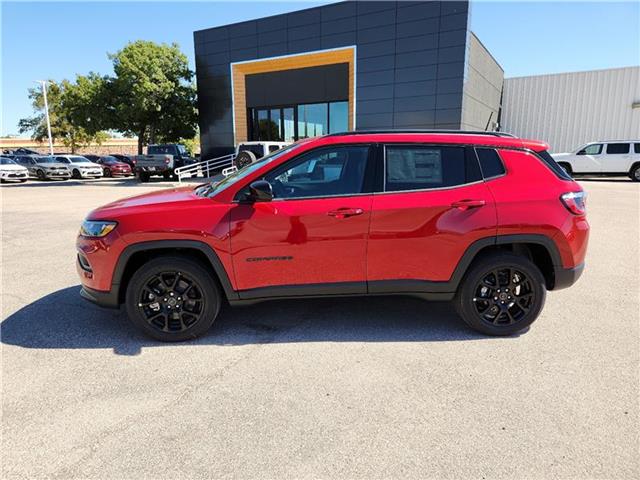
409, 65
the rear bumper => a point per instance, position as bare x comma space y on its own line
103, 299
565, 277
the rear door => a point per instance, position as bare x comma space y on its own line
312, 237
433, 206
618, 158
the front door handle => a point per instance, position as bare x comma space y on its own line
467, 204
345, 212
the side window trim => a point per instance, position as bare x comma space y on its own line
417, 144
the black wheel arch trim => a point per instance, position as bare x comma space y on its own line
202, 247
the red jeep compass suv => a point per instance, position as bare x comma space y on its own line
484, 219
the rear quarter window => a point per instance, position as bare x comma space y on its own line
548, 160
617, 148
490, 162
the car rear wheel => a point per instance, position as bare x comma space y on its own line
244, 158
143, 177
501, 294
172, 299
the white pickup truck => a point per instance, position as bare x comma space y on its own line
161, 160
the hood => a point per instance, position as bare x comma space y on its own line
49, 165
117, 164
83, 164
154, 201
12, 168
563, 154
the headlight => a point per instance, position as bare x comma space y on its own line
97, 229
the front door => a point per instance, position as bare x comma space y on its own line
312, 237
589, 159
433, 207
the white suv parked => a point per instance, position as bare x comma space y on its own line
619, 157
80, 167
249, 152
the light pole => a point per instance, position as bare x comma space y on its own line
46, 112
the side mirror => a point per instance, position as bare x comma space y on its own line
260, 191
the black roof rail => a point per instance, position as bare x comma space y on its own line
417, 130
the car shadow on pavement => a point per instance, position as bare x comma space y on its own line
63, 320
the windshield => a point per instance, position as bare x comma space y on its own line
182, 150
78, 159
46, 160
110, 160
6, 161
217, 187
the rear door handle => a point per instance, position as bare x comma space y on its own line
345, 212
467, 204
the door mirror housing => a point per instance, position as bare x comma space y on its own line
260, 191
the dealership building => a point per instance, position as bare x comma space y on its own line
343, 66
390, 65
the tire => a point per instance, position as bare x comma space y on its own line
566, 167
479, 308
167, 175
143, 177
76, 173
244, 158
634, 174
40, 175
156, 318
22, 181
107, 172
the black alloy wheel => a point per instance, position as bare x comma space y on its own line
76, 173
107, 172
173, 299
40, 175
501, 294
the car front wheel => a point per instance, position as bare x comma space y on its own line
173, 299
501, 294
635, 173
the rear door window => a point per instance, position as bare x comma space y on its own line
422, 167
617, 148
636, 147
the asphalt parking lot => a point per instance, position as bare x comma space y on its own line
347, 388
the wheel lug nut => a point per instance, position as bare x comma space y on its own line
171, 294
166, 299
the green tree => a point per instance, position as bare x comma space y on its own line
152, 94
63, 103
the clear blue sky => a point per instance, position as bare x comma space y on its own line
57, 40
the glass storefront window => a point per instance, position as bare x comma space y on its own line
276, 125
289, 126
312, 120
290, 123
338, 117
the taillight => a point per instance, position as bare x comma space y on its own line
576, 202
167, 160
133, 161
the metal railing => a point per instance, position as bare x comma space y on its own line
206, 168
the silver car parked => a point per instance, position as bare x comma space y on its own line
44, 168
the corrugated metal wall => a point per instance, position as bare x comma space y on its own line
569, 109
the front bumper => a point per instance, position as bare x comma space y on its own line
54, 175
102, 299
14, 175
90, 173
565, 277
